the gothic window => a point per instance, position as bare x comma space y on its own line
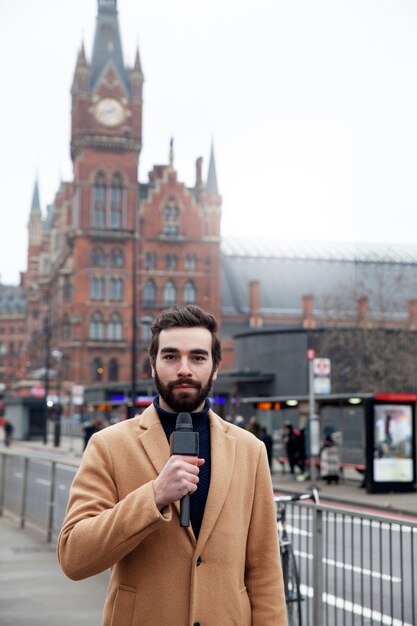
66, 327
96, 288
170, 293
190, 262
115, 327
113, 370
150, 260
116, 289
170, 226
99, 201
189, 293
97, 370
117, 258
96, 330
97, 257
149, 293
116, 202
171, 262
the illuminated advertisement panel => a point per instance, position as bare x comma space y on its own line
393, 443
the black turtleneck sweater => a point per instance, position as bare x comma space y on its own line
200, 425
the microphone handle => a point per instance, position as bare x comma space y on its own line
185, 511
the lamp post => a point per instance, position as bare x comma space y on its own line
47, 364
57, 354
131, 407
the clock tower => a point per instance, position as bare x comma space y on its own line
106, 139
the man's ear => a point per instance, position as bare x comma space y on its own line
152, 369
216, 371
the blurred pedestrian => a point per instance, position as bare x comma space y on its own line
269, 444
8, 433
254, 427
330, 460
293, 442
124, 513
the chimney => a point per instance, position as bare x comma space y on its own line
412, 314
307, 309
363, 311
255, 320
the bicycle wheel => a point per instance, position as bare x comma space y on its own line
291, 586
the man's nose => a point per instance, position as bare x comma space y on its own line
184, 368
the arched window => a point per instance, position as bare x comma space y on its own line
170, 293
96, 288
117, 258
99, 201
97, 370
113, 370
116, 202
116, 289
189, 293
115, 327
66, 327
149, 293
97, 257
96, 330
171, 262
190, 262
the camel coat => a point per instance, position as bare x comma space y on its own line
160, 574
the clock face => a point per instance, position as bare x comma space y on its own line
109, 112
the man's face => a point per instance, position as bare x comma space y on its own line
183, 369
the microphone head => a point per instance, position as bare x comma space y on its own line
184, 422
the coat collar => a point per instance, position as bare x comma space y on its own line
223, 447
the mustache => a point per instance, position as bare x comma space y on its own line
189, 383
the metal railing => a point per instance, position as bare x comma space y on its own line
355, 568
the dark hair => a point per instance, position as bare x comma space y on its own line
185, 316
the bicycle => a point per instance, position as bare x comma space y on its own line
293, 597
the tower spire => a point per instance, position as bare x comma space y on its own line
107, 45
36, 205
211, 184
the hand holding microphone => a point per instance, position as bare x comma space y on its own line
179, 477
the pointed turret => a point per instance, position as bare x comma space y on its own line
36, 205
211, 184
35, 217
107, 44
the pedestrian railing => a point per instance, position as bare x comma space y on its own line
355, 568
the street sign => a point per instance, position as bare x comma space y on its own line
322, 384
321, 367
77, 392
311, 354
37, 391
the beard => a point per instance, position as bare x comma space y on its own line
187, 401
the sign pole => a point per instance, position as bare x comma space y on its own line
314, 422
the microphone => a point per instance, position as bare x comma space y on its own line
184, 441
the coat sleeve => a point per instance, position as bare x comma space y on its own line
99, 529
264, 580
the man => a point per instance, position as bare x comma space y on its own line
293, 445
123, 510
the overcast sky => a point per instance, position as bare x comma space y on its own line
312, 105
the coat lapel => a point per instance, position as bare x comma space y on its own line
223, 448
153, 439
